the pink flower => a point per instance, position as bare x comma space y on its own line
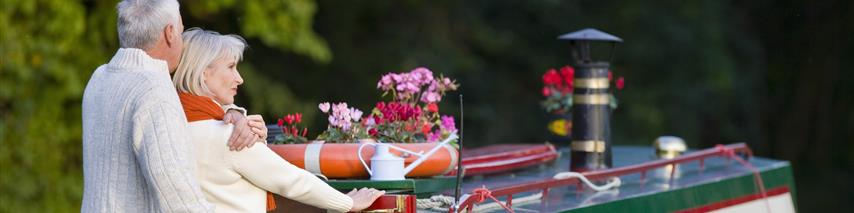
547, 91
341, 106
430, 97
385, 82
434, 136
355, 114
332, 121
448, 123
621, 83
298, 118
324, 107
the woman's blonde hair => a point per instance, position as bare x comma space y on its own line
201, 48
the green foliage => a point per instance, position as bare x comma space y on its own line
281, 24
46, 54
48, 50
338, 135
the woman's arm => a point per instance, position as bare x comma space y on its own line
267, 170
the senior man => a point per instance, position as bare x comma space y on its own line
136, 155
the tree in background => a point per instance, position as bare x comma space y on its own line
48, 50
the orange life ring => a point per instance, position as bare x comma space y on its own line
340, 160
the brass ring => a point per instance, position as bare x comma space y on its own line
591, 83
598, 99
588, 146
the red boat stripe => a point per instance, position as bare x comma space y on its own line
736, 201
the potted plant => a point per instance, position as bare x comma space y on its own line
409, 119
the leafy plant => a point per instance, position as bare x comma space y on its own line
290, 131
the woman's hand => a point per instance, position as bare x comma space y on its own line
363, 198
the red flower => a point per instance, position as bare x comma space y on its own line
372, 132
432, 107
547, 91
568, 74
304, 131
426, 128
551, 77
281, 122
289, 119
298, 118
610, 75
621, 83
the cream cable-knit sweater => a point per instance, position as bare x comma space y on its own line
239, 181
136, 155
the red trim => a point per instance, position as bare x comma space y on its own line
499, 158
641, 168
736, 201
386, 202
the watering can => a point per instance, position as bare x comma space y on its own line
387, 166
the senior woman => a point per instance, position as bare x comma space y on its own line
238, 181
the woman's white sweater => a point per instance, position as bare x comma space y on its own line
238, 181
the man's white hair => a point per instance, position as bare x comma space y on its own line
201, 49
141, 21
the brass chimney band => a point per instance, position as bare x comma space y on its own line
598, 99
591, 83
588, 146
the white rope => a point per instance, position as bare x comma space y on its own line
613, 183
441, 203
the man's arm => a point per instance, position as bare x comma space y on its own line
247, 129
161, 149
232, 107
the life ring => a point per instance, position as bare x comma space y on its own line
340, 160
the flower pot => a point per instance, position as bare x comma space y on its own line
559, 127
340, 160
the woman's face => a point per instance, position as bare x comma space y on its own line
222, 79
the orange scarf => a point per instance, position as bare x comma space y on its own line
198, 108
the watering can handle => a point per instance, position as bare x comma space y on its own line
359, 152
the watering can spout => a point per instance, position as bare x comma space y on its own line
453, 136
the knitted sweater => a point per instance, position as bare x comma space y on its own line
239, 181
136, 155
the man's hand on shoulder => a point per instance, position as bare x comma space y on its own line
247, 130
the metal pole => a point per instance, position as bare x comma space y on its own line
460, 155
